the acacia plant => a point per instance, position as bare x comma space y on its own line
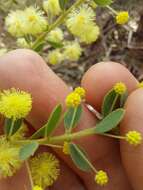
44, 168
63, 27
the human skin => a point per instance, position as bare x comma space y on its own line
26, 70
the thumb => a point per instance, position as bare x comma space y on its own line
132, 156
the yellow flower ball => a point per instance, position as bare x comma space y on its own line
36, 187
134, 138
90, 34
34, 22
66, 148
52, 6
72, 51
80, 91
79, 19
22, 43
56, 35
14, 23
120, 88
122, 17
44, 169
73, 100
55, 57
9, 158
101, 178
15, 104
140, 85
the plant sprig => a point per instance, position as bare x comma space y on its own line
112, 114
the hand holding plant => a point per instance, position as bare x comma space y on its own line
87, 144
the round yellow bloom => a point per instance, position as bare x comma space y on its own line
35, 22
15, 104
73, 100
66, 148
22, 43
122, 17
72, 51
14, 23
44, 169
134, 138
91, 34
56, 35
80, 91
140, 85
36, 187
120, 88
55, 57
28, 21
101, 178
52, 6
80, 19
9, 158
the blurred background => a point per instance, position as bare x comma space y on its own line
116, 43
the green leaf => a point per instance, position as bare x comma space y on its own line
17, 125
72, 117
50, 125
63, 4
110, 121
123, 99
39, 47
8, 125
54, 119
108, 102
39, 133
79, 157
28, 150
55, 44
103, 2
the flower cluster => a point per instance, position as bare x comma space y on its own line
15, 104
29, 21
80, 23
122, 17
71, 51
56, 35
9, 158
120, 88
44, 169
101, 178
134, 138
75, 98
55, 57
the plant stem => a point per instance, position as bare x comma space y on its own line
59, 21
68, 137
29, 173
112, 10
11, 127
114, 102
114, 136
72, 121
53, 141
